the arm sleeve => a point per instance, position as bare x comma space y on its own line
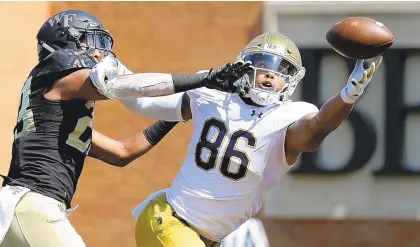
113, 80
166, 108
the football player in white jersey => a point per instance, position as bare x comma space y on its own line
242, 144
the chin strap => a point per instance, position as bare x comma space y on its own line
47, 47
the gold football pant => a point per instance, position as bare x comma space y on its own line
159, 226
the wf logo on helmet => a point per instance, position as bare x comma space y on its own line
67, 19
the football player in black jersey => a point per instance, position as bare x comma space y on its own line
53, 134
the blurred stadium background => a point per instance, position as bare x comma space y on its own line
361, 189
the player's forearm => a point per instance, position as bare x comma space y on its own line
138, 145
332, 113
132, 148
121, 153
152, 84
166, 108
107, 149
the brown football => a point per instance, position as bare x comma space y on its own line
360, 38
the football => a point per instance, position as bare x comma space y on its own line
360, 38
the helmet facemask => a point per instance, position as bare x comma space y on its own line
97, 40
273, 79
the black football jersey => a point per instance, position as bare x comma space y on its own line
51, 138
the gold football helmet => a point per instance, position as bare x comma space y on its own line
271, 53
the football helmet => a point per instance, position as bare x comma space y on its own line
73, 29
271, 53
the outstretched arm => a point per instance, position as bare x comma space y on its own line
121, 153
110, 79
113, 80
308, 133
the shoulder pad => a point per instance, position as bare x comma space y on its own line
64, 60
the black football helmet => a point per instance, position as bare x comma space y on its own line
73, 29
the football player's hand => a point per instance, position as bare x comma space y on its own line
358, 80
106, 70
222, 79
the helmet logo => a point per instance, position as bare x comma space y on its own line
274, 48
256, 114
67, 18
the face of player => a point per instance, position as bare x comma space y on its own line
269, 80
99, 45
271, 71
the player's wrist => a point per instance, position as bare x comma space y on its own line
348, 97
185, 82
157, 131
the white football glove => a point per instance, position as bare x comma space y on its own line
358, 80
106, 70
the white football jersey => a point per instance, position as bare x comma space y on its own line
235, 156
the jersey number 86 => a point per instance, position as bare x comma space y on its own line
213, 146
